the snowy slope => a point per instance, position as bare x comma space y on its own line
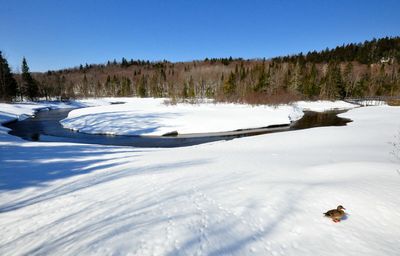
152, 117
261, 195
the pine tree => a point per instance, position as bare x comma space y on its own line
70, 93
184, 91
98, 89
297, 77
124, 63
191, 89
108, 85
230, 85
310, 86
8, 85
141, 89
381, 83
125, 87
348, 79
333, 86
85, 86
115, 85
29, 86
263, 80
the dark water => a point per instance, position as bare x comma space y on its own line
316, 119
45, 126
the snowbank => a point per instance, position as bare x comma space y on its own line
152, 117
323, 105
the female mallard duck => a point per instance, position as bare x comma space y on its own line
336, 214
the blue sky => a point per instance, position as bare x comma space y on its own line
58, 34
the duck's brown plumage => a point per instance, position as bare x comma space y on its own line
336, 214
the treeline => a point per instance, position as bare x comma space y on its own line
384, 50
24, 86
355, 70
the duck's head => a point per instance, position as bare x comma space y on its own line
341, 208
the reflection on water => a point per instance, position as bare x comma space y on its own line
45, 126
315, 119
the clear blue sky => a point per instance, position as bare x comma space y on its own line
56, 34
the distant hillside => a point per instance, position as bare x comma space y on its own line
353, 70
384, 50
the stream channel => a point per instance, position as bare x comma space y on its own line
45, 126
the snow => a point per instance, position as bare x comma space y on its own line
323, 105
152, 117
261, 195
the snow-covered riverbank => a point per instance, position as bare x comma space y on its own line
20, 111
261, 195
152, 117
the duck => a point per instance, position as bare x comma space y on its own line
336, 214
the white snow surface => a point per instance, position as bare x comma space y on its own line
151, 116
323, 105
261, 195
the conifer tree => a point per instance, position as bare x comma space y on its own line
184, 91
85, 86
98, 89
124, 63
29, 86
191, 89
348, 79
141, 89
108, 85
381, 83
8, 85
296, 79
125, 87
70, 93
333, 83
230, 85
115, 86
310, 87
314, 86
263, 80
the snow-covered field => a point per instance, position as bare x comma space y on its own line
152, 117
261, 195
